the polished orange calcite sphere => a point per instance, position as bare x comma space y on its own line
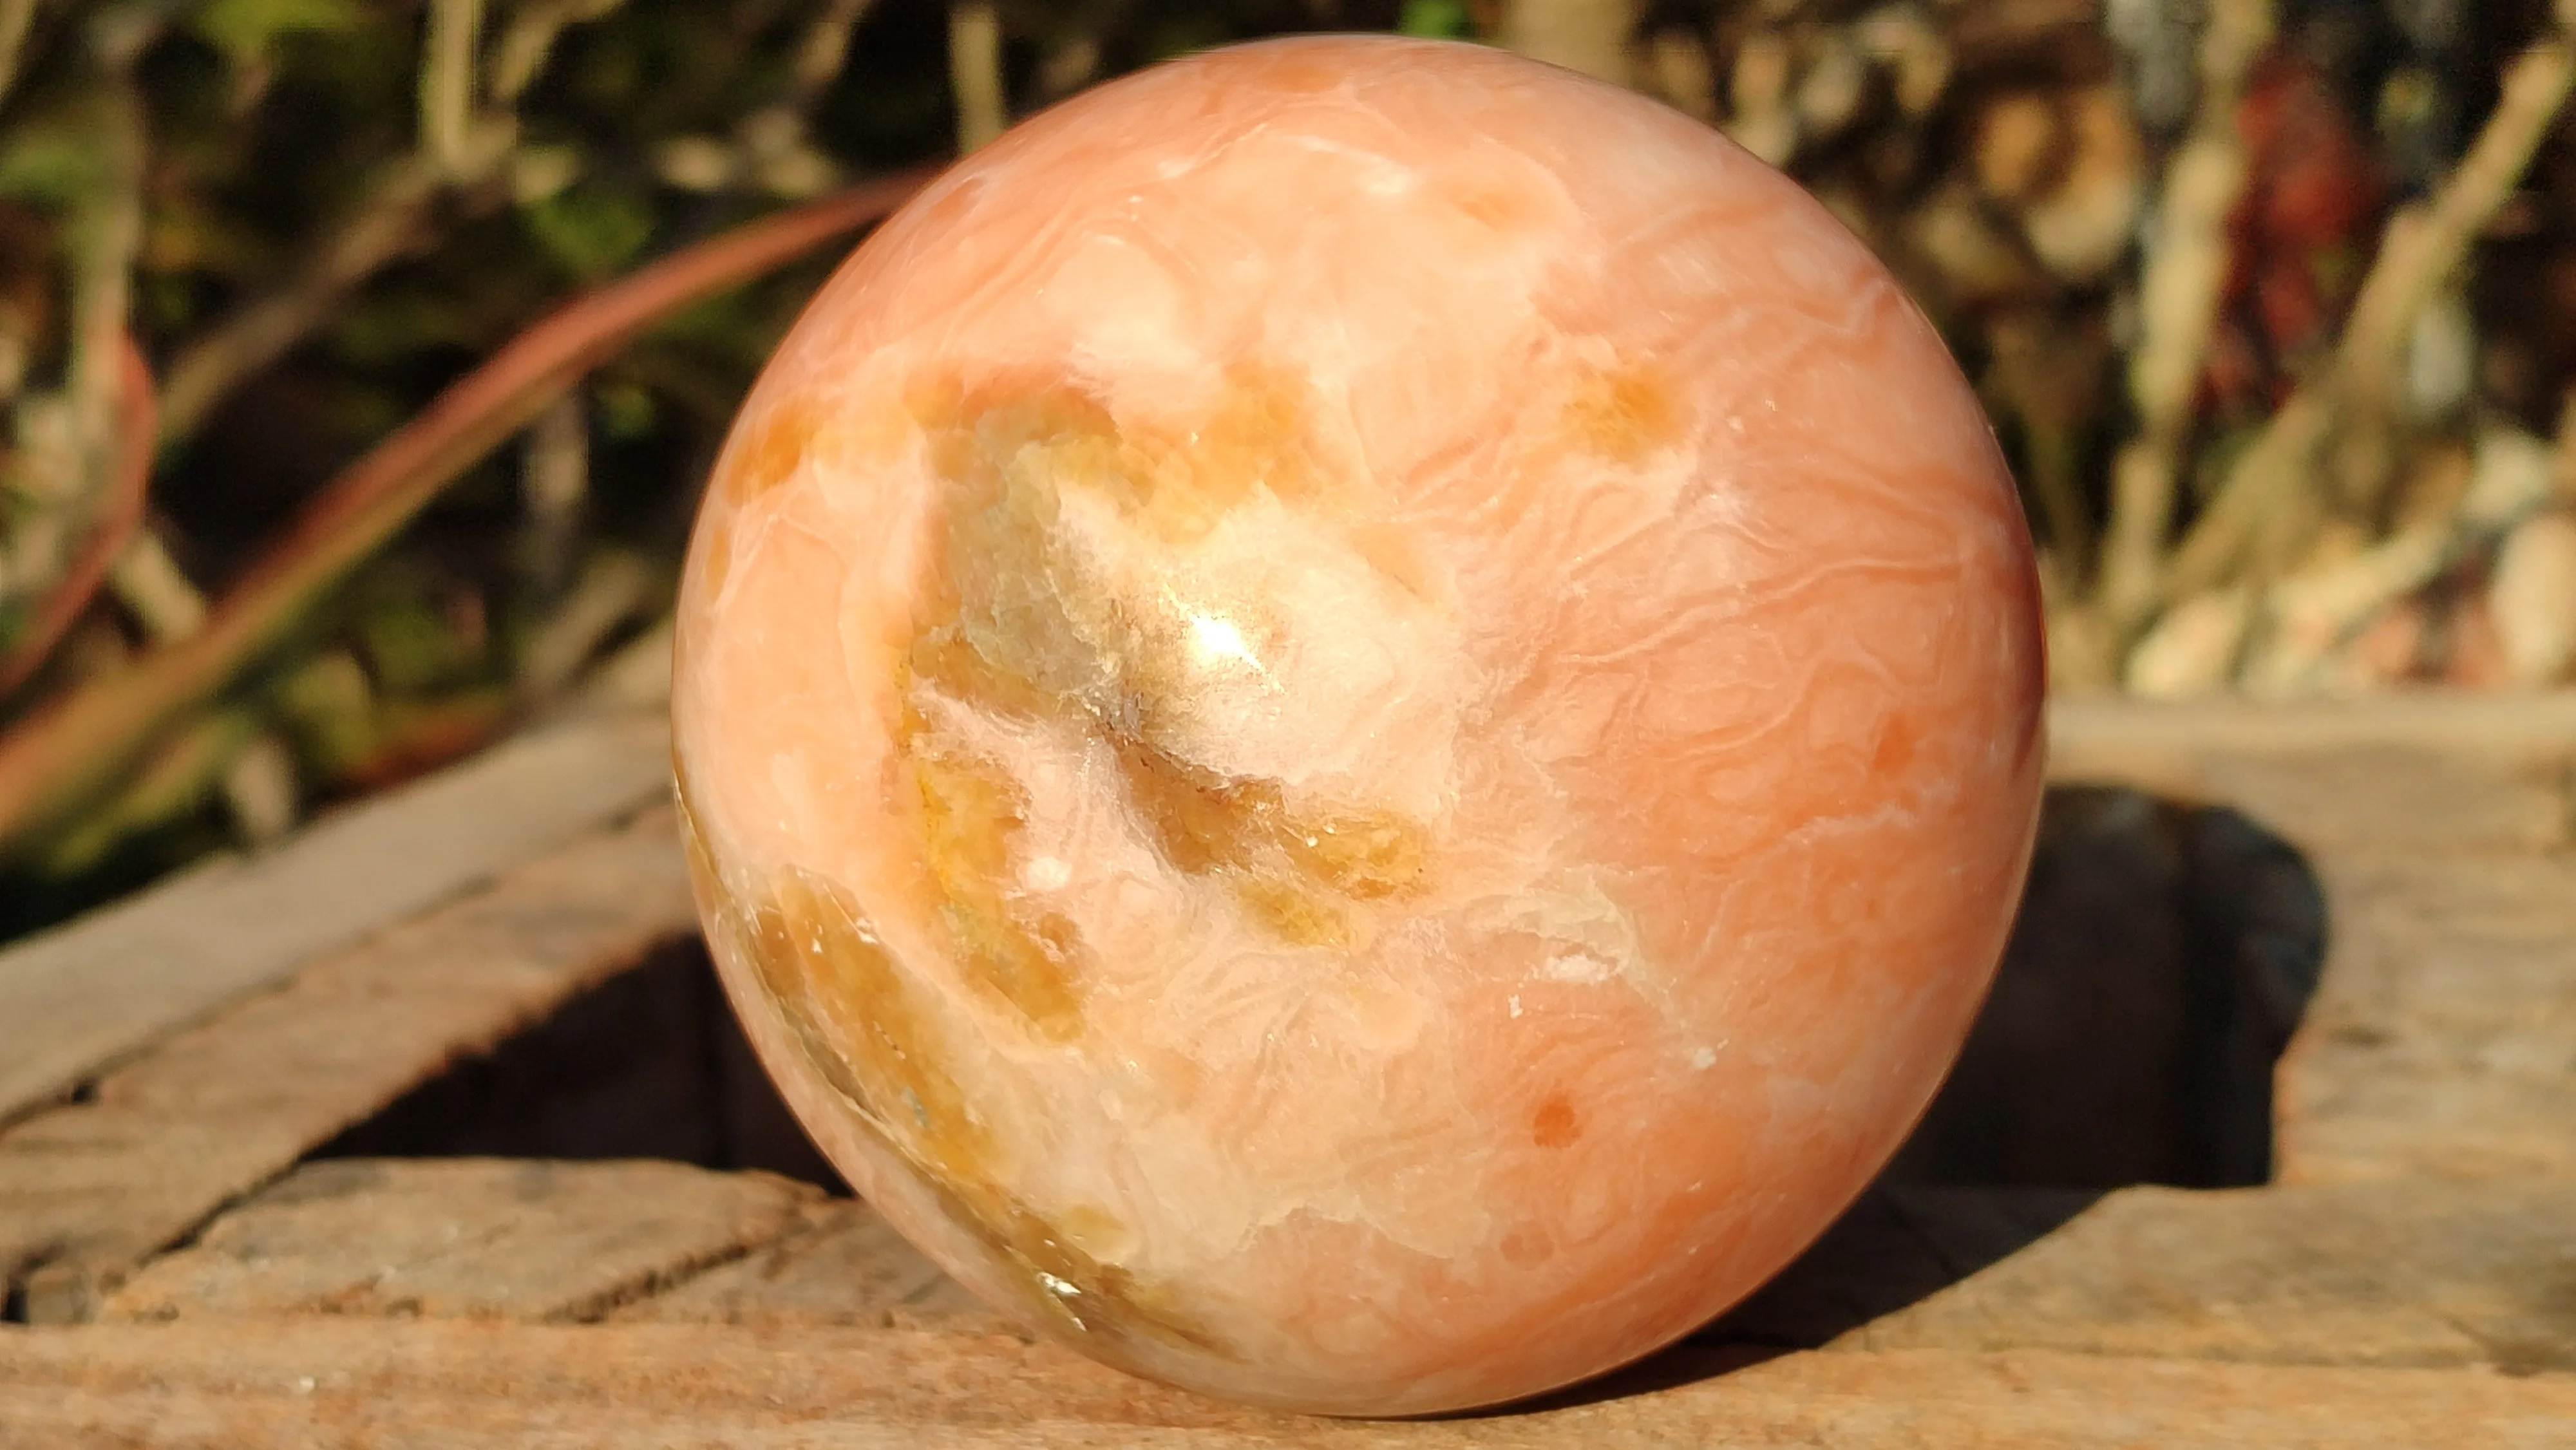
1359, 722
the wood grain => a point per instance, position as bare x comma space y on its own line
2498, 724
841, 1264
2407, 1273
88, 994
88, 1189
471, 1237
2442, 1041
2414, 1273
322, 1381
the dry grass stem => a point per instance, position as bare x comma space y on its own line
447, 109
975, 72
519, 55
616, 590
2264, 510
554, 480
109, 533
2179, 290
17, 17
824, 50
1591, 36
152, 587
259, 790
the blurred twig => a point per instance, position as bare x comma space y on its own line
529, 39
109, 533
447, 93
975, 69
17, 17
68, 752
823, 50
2263, 510
2186, 268
554, 479
1591, 36
151, 586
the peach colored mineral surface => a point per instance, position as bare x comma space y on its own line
1359, 722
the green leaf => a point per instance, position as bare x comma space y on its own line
626, 410
591, 231
242, 29
1436, 20
52, 165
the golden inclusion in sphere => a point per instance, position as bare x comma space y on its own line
1359, 722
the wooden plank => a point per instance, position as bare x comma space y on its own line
2530, 726
2354, 1115
2410, 1273
81, 997
90, 1188
2405, 1273
450, 1383
2406, 800
2442, 1040
487, 1237
842, 1264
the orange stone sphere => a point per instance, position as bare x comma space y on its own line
1359, 721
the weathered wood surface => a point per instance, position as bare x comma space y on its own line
2443, 1040
2405, 1273
841, 1264
79, 998
90, 1188
322, 1380
470, 1237
2530, 726
2422, 1274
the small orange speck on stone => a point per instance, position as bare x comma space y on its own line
1552, 1126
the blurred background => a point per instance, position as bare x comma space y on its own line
319, 473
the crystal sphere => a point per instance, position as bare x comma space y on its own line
1359, 721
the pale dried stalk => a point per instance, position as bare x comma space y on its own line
554, 478
2186, 269
447, 110
519, 56
2532, 598
110, 532
156, 591
106, 232
2311, 615
975, 72
2259, 511
260, 791
776, 140
17, 17
2415, 259
1590, 36
106, 237
824, 49
614, 591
